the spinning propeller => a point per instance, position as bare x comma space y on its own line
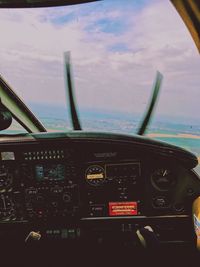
73, 107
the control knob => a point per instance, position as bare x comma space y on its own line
66, 197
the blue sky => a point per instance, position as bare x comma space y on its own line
117, 46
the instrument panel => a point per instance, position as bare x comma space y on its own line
79, 183
43, 184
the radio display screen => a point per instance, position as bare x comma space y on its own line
50, 172
123, 170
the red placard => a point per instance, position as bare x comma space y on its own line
122, 208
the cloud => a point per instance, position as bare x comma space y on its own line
116, 50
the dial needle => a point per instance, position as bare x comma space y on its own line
165, 172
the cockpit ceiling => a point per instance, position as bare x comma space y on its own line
40, 3
190, 13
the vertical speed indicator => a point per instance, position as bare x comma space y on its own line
95, 175
163, 179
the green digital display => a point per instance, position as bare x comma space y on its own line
50, 172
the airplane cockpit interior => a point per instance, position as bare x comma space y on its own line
81, 195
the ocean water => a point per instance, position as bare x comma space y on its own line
95, 120
57, 118
190, 144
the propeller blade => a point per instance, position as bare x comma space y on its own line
70, 93
155, 92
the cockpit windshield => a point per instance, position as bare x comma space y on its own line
116, 48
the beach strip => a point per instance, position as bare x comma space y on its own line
189, 136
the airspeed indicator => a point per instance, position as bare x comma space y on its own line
95, 175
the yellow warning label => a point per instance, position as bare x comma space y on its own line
95, 176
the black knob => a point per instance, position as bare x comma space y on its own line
66, 198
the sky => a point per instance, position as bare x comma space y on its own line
116, 48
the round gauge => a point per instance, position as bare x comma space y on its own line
95, 175
6, 178
163, 179
6, 207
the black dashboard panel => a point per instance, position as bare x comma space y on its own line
78, 184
